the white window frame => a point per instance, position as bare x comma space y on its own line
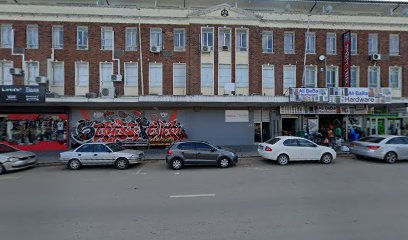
84, 37
28, 72
224, 38
239, 32
394, 43
336, 76
264, 87
205, 33
107, 43
370, 69
32, 36
221, 77
57, 83
357, 69
109, 82
289, 48
126, 77
179, 45
354, 43
175, 83
156, 41
78, 76
6, 29
150, 78
399, 69
242, 83
5, 77
285, 70
131, 44
372, 43
209, 85
307, 69
310, 42
57, 37
331, 43
266, 36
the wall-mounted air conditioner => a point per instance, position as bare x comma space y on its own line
41, 79
91, 95
225, 48
155, 49
116, 78
375, 57
205, 49
107, 93
16, 72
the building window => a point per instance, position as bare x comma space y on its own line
32, 36
82, 38
106, 38
131, 39
179, 79
224, 38
105, 75
354, 44
156, 37
354, 76
131, 74
207, 79
267, 42
332, 78
242, 40
179, 39
82, 74
156, 78
57, 74
207, 39
289, 77
331, 48
57, 37
289, 42
224, 77
310, 42
394, 44
242, 79
311, 77
372, 43
6, 36
373, 76
268, 80
395, 77
5, 77
32, 71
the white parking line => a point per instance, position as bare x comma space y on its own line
192, 196
7, 177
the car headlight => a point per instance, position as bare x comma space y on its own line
12, 159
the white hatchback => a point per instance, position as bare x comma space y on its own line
287, 148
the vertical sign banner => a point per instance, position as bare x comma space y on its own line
346, 58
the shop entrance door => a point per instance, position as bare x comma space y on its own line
377, 126
262, 125
266, 131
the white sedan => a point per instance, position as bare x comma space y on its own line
287, 148
12, 159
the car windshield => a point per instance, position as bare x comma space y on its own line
115, 147
272, 141
6, 149
371, 139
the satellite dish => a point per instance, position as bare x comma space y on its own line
322, 57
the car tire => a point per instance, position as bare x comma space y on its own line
122, 163
390, 157
326, 158
224, 162
74, 164
176, 164
2, 169
283, 159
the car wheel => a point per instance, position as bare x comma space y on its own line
122, 163
224, 163
283, 159
74, 164
2, 169
326, 158
176, 164
391, 157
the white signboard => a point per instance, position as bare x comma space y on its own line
308, 95
360, 95
236, 116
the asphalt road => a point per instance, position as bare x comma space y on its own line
349, 199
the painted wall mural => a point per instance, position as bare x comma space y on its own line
129, 128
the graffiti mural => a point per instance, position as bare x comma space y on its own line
129, 128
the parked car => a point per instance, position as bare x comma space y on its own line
101, 154
389, 148
12, 159
182, 153
287, 148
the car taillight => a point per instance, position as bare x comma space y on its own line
268, 149
169, 152
373, 147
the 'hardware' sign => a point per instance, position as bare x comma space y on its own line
22, 94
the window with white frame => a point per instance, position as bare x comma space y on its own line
58, 74
332, 77
156, 78
32, 36
105, 75
354, 76
289, 76
289, 42
131, 39
267, 42
58, 37
82, 74
331, 48
6, 36
394, 44
241, 39
374, 76
310, 38
179, 39
395, 77
311, 77
268, 80
207, 75
224, 76
32, 71
224, 38
5, 77
207, 37
242, 79
354, 44
82, 38
156, 37
179, 78
106, 38
131, 74
372, 43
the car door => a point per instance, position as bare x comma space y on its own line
308, 150
85, 153
291, 148
399, 145
206, 154
187, 151
102, 154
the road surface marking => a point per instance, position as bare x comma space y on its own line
5, 178
192, 196
140, 169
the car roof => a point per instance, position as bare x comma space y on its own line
385, 136
187, 141
289, 137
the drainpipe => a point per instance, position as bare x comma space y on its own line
141, 56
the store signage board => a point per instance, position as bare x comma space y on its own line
22, 94
308, 95
360, 95
324, 109
236, 116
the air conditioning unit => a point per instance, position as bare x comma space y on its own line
155, 49
116, 78
375, 57
16, 72
41, 79
205, 49
107, 93
91, 95
225, 48
243, 49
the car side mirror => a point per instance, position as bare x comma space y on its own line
213, 149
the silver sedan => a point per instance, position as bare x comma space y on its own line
12, 159
389, 148
101, 154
